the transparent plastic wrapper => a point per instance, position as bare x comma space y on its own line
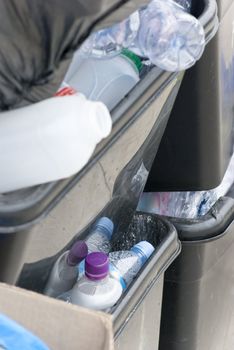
186, 204
163, 32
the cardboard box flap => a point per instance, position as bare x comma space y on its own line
61, 326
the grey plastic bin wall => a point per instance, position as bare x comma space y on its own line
198, 298
198, 141
136, 317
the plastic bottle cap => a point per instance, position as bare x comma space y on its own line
134, 58
144, 248
77, 253
105, 224
96, 266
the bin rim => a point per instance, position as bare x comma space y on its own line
207, 227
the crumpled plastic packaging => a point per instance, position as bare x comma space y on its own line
186, 204
15, 337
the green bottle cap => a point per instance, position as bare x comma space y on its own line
133, 57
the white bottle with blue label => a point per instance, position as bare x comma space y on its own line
95, 289
125, 265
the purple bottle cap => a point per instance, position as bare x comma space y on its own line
77, 253
96, 266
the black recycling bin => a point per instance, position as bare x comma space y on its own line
38, 224
198, 141
198, 296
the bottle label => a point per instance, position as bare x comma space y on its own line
98, 242
114, 273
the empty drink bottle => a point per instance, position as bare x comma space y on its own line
96, 289
107, 80
49, 140
163, 32
124, 265
100, 236
64, 273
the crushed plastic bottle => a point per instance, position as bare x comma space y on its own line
110, 41
186, 204
185, 4
171, 38
163, 32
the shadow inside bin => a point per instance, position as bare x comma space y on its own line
143, 227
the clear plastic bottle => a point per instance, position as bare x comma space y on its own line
107, 80
49, 140
185, 4
124, 265
99, 239
64, 273
110, 41
163, 32
171, 38
96, 289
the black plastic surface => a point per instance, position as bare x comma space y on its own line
198, 299
198, 141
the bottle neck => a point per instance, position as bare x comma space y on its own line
103, 230
140, 254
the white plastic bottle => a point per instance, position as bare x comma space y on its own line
124, 265
107, 80
49, 140
64, 273
96, 289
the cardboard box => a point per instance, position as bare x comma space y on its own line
61, 326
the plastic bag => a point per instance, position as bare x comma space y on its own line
186, 204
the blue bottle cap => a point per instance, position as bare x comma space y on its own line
144, 249
106, 225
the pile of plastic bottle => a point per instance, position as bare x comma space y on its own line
90, 275
107, 66
186, 204
163, 32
